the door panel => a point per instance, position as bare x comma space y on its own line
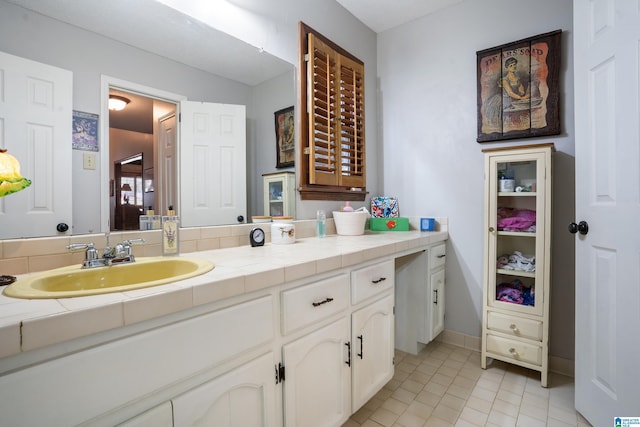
607, 36
212, 164
35, 127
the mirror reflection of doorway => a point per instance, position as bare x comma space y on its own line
129, 194
137, 129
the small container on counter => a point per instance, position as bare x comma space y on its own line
321, 223
283, 233
170, 235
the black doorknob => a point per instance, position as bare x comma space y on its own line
62, 227
240, 218
582, 227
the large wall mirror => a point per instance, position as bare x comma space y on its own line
150, 44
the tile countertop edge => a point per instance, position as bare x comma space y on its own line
236, 265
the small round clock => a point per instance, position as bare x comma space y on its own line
256, 237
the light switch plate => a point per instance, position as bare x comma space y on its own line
89, 161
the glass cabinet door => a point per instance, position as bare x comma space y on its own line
276, 198
516, 213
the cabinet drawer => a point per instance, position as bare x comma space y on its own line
513, 325
371, 280
308, 304
515, 350
437, 256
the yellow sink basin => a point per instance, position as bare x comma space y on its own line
73, 281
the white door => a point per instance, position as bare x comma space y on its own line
317, 378
245, 397
607, 94
167, 155
212, 163
35, 128
372, 350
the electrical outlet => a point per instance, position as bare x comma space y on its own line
89, 161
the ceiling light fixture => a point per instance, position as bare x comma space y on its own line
117, 103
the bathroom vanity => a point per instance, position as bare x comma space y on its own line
294, 335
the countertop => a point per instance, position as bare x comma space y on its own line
34, 324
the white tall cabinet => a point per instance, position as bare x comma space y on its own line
280, 194
517, 245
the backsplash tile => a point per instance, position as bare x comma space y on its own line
21, 256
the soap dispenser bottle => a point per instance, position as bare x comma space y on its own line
347, 207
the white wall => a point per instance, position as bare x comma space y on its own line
432, 162
268, 98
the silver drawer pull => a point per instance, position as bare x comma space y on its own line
317, 304
375, 282
514, 328
513, 352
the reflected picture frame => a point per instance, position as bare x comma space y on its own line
285, 137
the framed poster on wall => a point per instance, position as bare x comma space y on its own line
518, 89
285, 141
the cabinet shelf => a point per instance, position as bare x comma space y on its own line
519, 273
516, 194
517, 233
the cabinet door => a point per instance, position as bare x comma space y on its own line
372, 349
274, 195
517, 254
317, 382
160, 416
243, 397
437, 306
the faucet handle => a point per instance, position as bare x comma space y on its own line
92, 252
76, 246
127, 245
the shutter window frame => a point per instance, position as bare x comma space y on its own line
332, 138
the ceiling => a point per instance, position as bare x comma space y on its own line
381, 15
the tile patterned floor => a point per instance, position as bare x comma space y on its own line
445, 386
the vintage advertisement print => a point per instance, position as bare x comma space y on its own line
518, 89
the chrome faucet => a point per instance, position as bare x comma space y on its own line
119, 254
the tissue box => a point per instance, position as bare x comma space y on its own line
384, 207
389, 224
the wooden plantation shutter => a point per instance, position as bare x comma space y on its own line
335, 140
351, 125
322, 69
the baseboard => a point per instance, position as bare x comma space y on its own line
558, 365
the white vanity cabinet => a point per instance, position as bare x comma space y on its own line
317, 382
420, 296
246, 396
372, 349
160, 416
517, 246
305, 352
437, 255
316, 364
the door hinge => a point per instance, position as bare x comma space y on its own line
279, 373
306, 57
179, 117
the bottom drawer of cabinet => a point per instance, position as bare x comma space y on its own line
514, 349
